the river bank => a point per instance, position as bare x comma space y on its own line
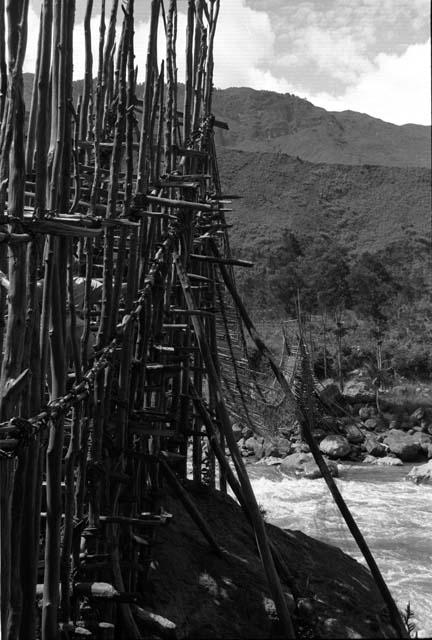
207, 596
359, 425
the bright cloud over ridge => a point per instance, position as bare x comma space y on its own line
371, 56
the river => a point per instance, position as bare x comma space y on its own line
394, 515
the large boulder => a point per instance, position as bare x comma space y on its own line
356, 390
420, 474
405, 446
255, 446
303, 465
335, 446
277, 447
423, 439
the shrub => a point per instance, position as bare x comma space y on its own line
412, 361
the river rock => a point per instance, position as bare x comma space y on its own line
237, 432
255, 447
387, 461
277, 447
304, 465
334, 628
405, 446
271, 461
364, 412
330, 392
423, 439
417, 415
353, 434
335, 446
374, 448
421, 474
250, 443
247, 432
371, 424
359, 391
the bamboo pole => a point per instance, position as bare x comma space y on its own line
31, 129
94, 195
108, 54
42, 119
199, 58
189, 72
60, 71
265, 553
32, 489
3, 64
109, 304
171, 88
190, 506
10, 552
143, 169
208, 93
88, 73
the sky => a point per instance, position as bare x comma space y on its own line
371, 56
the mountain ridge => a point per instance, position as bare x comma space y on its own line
266, 121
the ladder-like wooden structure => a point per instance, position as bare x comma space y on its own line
117, 277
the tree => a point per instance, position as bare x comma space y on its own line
324, 270
372, 287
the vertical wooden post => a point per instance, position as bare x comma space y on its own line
143, 169
88, 73
10, 553
189, 71
3, 66
59, 74
214, 13
31, 129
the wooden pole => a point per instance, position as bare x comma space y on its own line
262, 541
88, 73
57, 338
189, 71
11, 595
143, 169
31, 129
3, 65
189, 505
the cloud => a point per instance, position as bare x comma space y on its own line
397, 89
330, 54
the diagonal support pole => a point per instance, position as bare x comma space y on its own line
225, 423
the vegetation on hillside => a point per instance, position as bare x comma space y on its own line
361, 309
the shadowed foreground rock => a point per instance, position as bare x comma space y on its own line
207, 596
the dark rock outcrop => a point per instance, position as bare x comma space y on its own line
227, 597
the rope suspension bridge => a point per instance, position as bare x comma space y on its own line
123, 348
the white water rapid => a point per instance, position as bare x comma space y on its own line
394, 515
